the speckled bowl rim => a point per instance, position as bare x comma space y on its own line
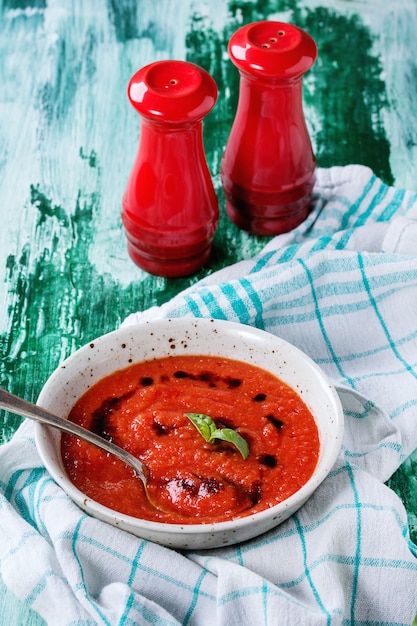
96, 359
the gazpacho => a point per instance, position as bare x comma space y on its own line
220, 438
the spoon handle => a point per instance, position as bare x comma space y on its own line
19, 406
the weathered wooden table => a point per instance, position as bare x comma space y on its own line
68, 138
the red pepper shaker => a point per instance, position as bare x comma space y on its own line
170, 209
268, 167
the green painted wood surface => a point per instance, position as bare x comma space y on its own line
68, 138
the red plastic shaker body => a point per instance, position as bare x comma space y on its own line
268, 167
170, 209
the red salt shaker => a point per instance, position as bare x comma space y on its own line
268, 167
170, 209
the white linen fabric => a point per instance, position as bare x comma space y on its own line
343, 288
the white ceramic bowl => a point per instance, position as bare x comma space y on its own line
133, 344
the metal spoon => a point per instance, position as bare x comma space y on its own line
18, 406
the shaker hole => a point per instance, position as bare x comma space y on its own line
281, 33
265, 45
173, 81
273, 39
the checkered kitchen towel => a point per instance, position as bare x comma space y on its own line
343, 288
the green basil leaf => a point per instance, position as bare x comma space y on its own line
230, 435
208, 430
203, 423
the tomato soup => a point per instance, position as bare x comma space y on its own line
144, 409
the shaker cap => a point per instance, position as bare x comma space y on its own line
269, 49
172, 92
